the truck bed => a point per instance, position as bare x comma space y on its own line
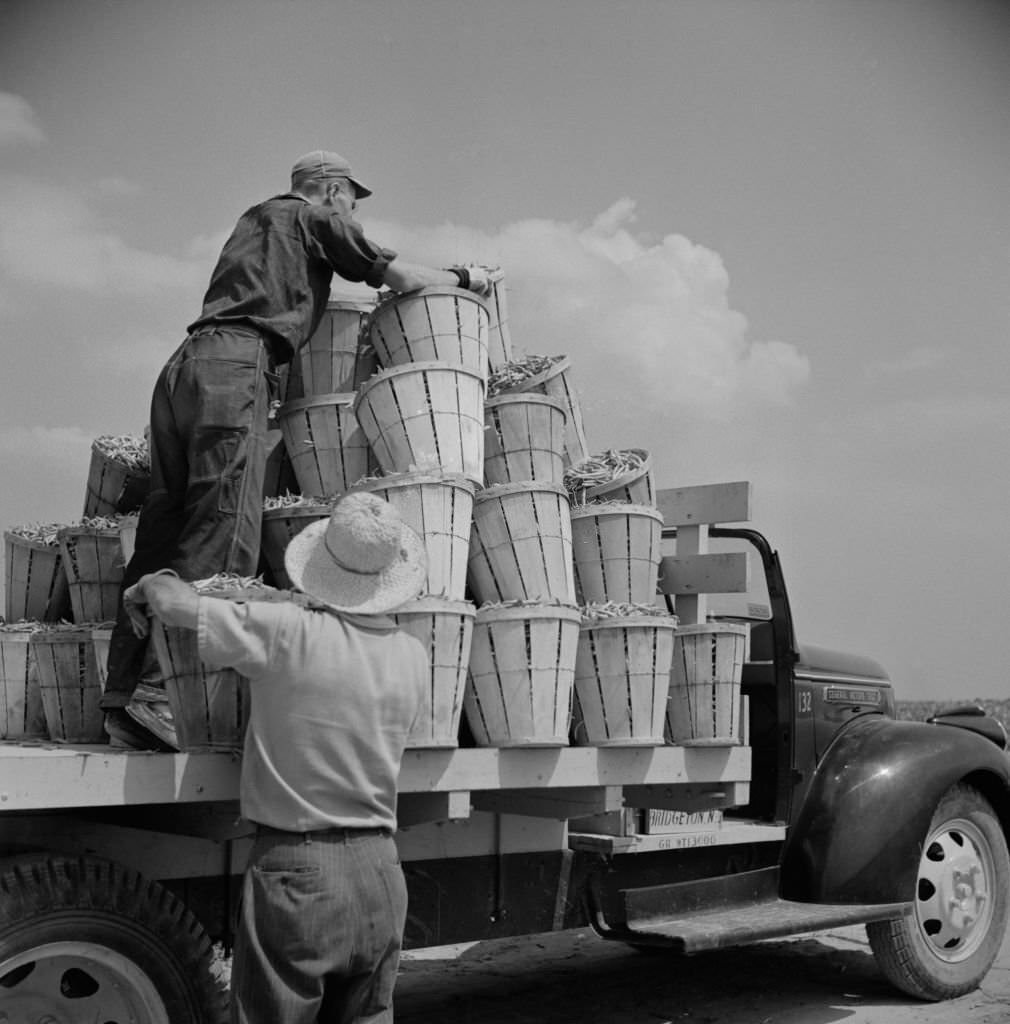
435, 784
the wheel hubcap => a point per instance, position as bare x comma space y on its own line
77, 983
953, 905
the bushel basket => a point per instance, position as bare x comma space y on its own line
36, 582
704, 705
337, 358
522, 668
446, 325
616, 548
327, 448
280, 525
622, 680
445, 629
94, 562
114, 485
525, 439
425, 417
521, 544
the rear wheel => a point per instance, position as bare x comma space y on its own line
947, 944
84, 940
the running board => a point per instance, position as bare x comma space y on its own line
733, 910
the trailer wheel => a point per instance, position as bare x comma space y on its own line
946, 946
85, 940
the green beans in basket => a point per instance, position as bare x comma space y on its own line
130, 451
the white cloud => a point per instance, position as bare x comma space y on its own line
18, 122
51, 236
653, 318
56, 446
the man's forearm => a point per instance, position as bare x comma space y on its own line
174, 602
404, 276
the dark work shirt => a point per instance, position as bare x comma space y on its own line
274, 271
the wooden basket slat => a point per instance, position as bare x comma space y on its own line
616, 554
69, 685
499, 345
94, 563
36, 582
22, 715
334, 359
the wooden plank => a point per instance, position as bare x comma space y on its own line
705, 504
688, 797
561, 804
725, 573
414, 808
727, 835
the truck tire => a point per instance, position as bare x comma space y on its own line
946, 946
85, 940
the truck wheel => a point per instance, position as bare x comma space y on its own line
84, 940
946, 946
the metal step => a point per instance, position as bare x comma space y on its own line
740, 925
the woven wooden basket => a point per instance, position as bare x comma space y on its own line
637, 486
522, 669
94, 562
622, 681
425, 416
69, 684
704, 705
337, 358
556, 382
525, 439
22, 716
521, 544
326, 446
210, 707
446, 325
35, 581
279, 526
112, 486
439, 508
616, 552
445, 628
499, 337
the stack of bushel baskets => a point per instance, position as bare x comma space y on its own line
60, 600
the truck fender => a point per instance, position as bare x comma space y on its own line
859, 834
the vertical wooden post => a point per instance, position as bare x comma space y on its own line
691, 540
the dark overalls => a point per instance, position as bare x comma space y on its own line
209, 412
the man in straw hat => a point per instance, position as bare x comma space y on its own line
209, 412
335, 687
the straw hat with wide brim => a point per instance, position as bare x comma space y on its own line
362, 559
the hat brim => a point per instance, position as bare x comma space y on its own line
360, 190
311, 569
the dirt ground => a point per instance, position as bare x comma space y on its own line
576, 977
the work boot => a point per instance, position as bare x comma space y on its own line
125, 733
150, 709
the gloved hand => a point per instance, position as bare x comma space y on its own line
480, 279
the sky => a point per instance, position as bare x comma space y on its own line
772, 236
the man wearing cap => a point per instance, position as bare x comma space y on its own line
211, 402
335, 688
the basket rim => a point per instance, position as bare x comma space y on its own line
84, 531
496, 490
619, 508
735, 628
27, 542
78, 633
514, 397
361, 305
420, 476
560, 364
297, 511
618, 481
568, 613
333, 398
419, 367
631, 620
428, 603
397, 297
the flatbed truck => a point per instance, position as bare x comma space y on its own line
119, 870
